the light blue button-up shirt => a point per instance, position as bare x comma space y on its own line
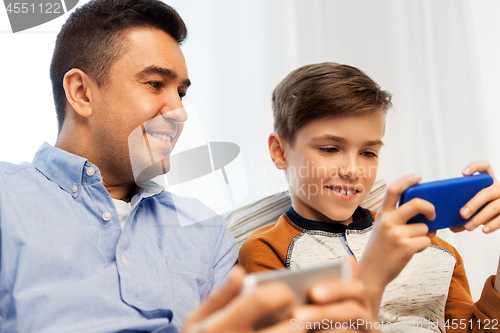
66, 265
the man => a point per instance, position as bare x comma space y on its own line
87, 243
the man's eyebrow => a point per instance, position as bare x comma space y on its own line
342, 140
163, 72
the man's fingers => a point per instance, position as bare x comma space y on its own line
396, 189
330, 291
335, 290
227, 308
285, 326
354, 266
220, 295
417, 206
348, 312
246, 309
480, 166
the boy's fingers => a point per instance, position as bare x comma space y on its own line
396, 189
414, 230
220, 295
414, 207
418, 244
492, 225
479, 200
480, 166
487, 214
458, 229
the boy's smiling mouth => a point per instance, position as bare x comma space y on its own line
344, 192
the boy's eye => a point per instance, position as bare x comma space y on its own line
329, 149
182, 94
156, 84
369, 154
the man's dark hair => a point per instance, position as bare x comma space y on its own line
92, 39
324, 90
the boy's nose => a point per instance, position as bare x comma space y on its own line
350, 170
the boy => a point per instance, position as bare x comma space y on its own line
329, 124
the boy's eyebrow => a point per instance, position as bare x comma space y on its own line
329, 137
163, 72
374, 143
342, 140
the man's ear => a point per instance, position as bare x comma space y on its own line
77, 86
277, 150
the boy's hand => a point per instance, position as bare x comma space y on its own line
226, 310
393, 242
489, 216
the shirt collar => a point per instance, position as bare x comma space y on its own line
61, 167
68, 170
362, 219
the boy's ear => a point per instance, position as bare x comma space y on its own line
277, 150
76, 85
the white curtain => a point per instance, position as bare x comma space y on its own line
439, 59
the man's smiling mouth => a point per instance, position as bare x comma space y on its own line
162, 136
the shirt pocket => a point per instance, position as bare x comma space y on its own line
192, 283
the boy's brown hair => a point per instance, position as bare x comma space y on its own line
323, 90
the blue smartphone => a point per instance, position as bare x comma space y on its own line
448, 197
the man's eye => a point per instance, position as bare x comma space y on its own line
155, 84
369, 154
182, 94
329, 149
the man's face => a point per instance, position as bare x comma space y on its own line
333, 164
138, 113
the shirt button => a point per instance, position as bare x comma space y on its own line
124, 261
74, 188
90, 171
106, 216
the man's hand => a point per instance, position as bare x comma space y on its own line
225, 310
393, 242
344, 305
489, 216
333, 301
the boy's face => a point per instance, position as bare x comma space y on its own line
332, 165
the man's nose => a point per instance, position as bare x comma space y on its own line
179, 115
